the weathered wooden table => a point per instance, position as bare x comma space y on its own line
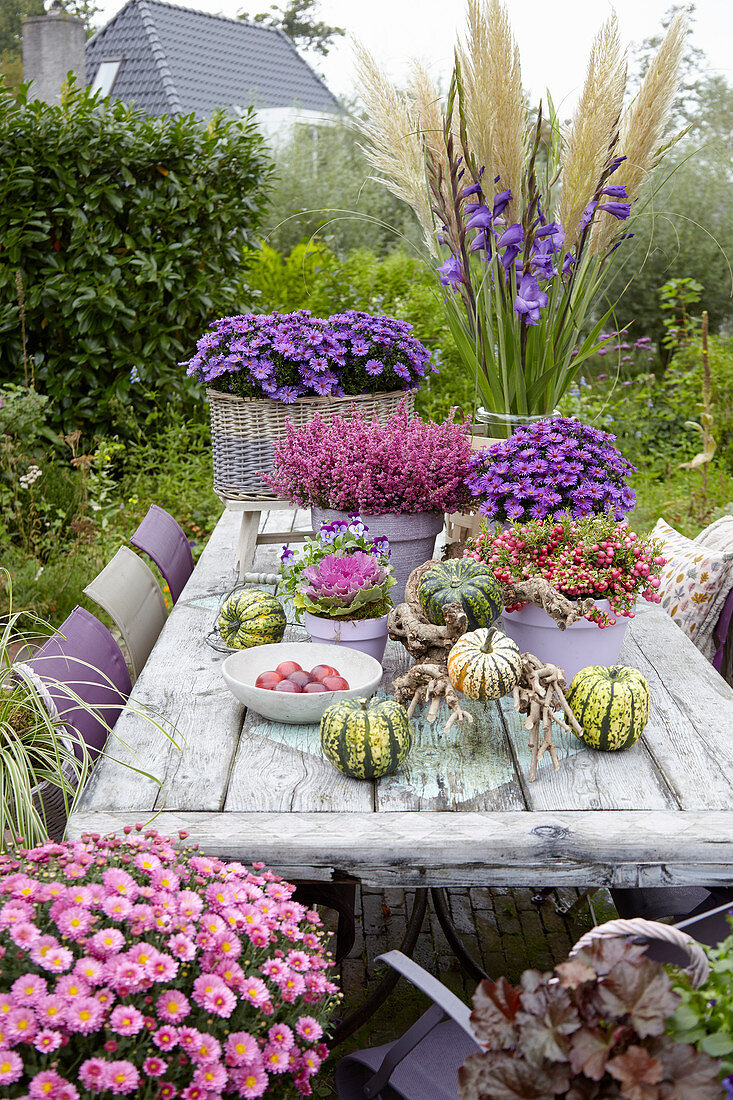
461, 812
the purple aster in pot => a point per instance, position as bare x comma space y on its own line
556, 465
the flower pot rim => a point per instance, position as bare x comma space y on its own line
343, 619
541, 615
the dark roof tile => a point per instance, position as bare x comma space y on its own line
180, 61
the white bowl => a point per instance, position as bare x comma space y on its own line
243, 667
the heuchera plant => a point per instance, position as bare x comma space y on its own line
132, 968
556, 465
352, 587
356, 465
593, 1030
594, 557
291, 355
320, 578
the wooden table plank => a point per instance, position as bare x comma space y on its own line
574, 848
182, 680
689, 733
467, 768
280, 766
587, 780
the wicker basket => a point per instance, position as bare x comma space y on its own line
244, 432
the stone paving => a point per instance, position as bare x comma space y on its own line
502, 928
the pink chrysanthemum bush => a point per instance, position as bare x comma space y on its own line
130, 967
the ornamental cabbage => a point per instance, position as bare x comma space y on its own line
354, 586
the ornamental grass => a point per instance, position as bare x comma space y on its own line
525, 213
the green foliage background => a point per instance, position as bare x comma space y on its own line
129, 233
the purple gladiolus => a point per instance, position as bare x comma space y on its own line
481, 218
615, 164
530, 300
474, 189
587, 215
555, 232
615, 191
450, 273
511, 236
620, 210
501, 201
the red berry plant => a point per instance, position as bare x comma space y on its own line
594, 557
133, 967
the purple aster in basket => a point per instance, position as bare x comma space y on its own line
293, 355
556, 465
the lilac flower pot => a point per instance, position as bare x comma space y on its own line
366, 635
578, 646
411, 538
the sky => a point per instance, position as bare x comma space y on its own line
554, 36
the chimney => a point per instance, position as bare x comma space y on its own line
53, 44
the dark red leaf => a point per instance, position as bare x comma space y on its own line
498, 1076
638, 1073
688, 1074
495, 1006
574, 972
589, 1051
644, 993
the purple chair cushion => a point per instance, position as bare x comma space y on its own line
164, 540
83, 655
721, 634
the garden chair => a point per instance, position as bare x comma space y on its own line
128, 591
164, 540
424, 1062
84, 656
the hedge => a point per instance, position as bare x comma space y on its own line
129, 234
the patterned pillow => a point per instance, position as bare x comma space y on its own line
718, 536
694, 584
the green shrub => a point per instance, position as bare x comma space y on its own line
129, 233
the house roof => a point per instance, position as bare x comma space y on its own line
177, 61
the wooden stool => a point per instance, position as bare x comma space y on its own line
250, 536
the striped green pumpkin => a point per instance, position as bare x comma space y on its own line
464, 581
366, 738
611, 705
484, 664
251, 617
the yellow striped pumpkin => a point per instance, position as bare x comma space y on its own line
611, 705
366, 738
484, 664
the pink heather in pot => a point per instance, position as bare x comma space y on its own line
132, 968
356, 465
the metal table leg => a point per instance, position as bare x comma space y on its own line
359, 1017
442, 912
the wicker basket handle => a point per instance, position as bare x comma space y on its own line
698, 967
